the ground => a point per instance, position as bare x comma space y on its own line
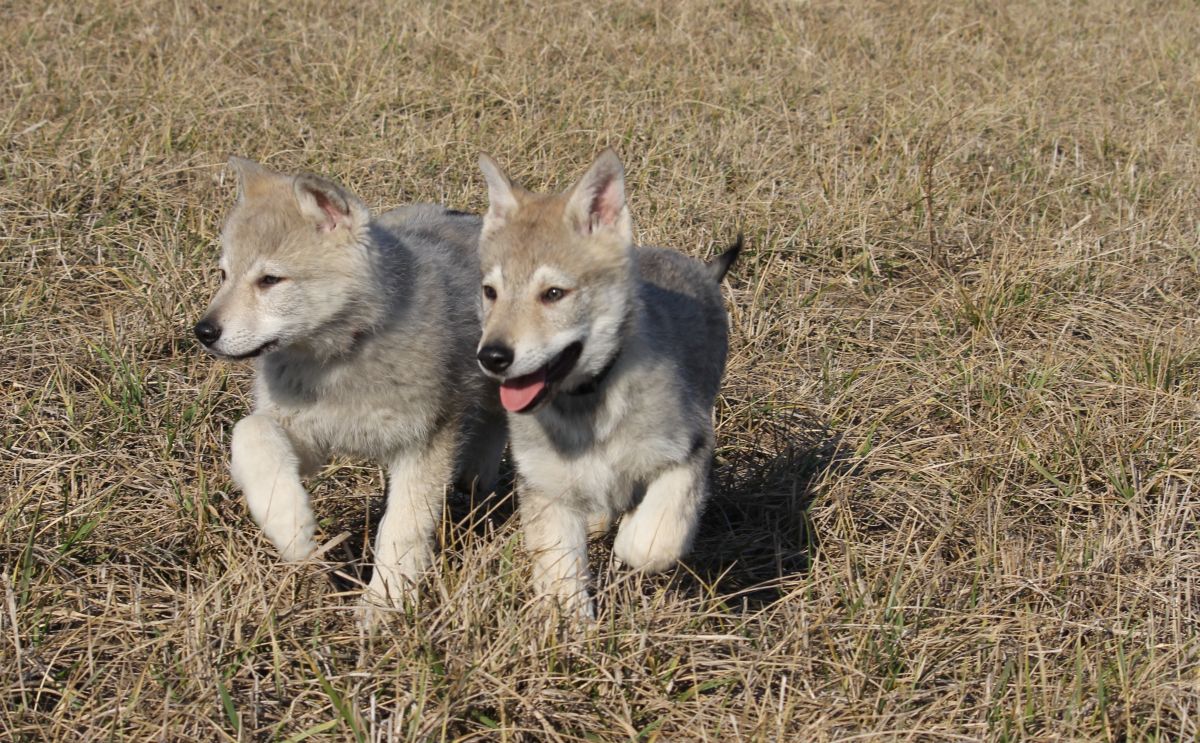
957, 450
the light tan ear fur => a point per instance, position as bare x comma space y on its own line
502, 193
596, 204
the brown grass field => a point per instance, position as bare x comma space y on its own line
956, 480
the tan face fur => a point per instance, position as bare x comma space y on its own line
556, 270
291, 261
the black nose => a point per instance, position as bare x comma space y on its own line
207, 332
495, 357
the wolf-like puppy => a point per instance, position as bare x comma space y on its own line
609, 358
363, 331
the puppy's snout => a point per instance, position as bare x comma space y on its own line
495, 357
207, 331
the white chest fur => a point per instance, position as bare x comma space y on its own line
597, 462
350, 411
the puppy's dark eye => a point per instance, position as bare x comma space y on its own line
553, 294
222, 275
269, 280
489, 293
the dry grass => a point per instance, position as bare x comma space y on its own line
958, 441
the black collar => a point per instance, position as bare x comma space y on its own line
594, 383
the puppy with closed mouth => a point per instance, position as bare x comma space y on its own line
363, 331
609, 358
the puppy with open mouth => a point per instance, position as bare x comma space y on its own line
609, 358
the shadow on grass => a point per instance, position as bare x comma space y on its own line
756, 532
468, 514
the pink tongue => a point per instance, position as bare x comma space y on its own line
516, 394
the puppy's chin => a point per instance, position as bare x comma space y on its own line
264, 348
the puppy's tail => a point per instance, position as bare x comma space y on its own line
719, 266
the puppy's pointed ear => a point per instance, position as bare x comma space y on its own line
253, 179
326, 204
597, 202
502, 193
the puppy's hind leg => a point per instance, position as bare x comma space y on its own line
266, 465
656, 534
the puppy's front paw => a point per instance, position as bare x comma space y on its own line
648, 546
581, 611
391, 588
299, 547
551, 614
370, 616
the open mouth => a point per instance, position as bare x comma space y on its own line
523, 394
